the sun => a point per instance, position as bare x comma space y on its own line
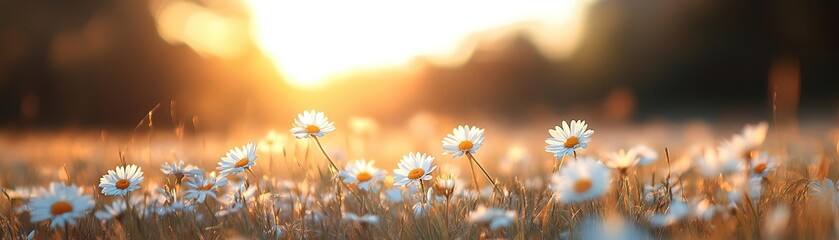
313, 42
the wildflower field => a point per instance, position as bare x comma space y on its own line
311, 181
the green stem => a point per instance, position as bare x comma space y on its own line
495, 186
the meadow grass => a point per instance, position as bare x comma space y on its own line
297, 195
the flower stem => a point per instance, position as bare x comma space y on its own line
495, 186
334, 167
558, 163
474, 176
66, 231
422, 194
255, 179
446, 217
212, 214
131, 214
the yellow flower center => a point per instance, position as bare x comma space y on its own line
582, 185
760, 168
241, 163
60, 207
312, 129
206, 187
363, 177
571, 142
465, 145
122, 184
416, 173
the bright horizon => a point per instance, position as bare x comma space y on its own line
310, 43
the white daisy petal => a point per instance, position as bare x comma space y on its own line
413, 168
311, 123
238, 159
122, 181
362, 173
581, 180
61, 204
463, 139
567, 138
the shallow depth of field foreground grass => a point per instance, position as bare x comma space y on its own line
285, 186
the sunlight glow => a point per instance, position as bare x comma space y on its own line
314, 41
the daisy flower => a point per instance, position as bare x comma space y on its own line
754, 135
413, 167
581, 180
362, 173
112, 210
677, 211
463, 139
238, 159
713, 163
763, 165
445, 184
367, 218
311, 123
646, 154
622, 160
180, 170
744, 146
122, 181
61, 204
825, 190
466, 140
565, 140
202, 186
495, 217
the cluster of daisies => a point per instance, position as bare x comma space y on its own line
738, 166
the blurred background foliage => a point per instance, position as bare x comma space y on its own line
105, 64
